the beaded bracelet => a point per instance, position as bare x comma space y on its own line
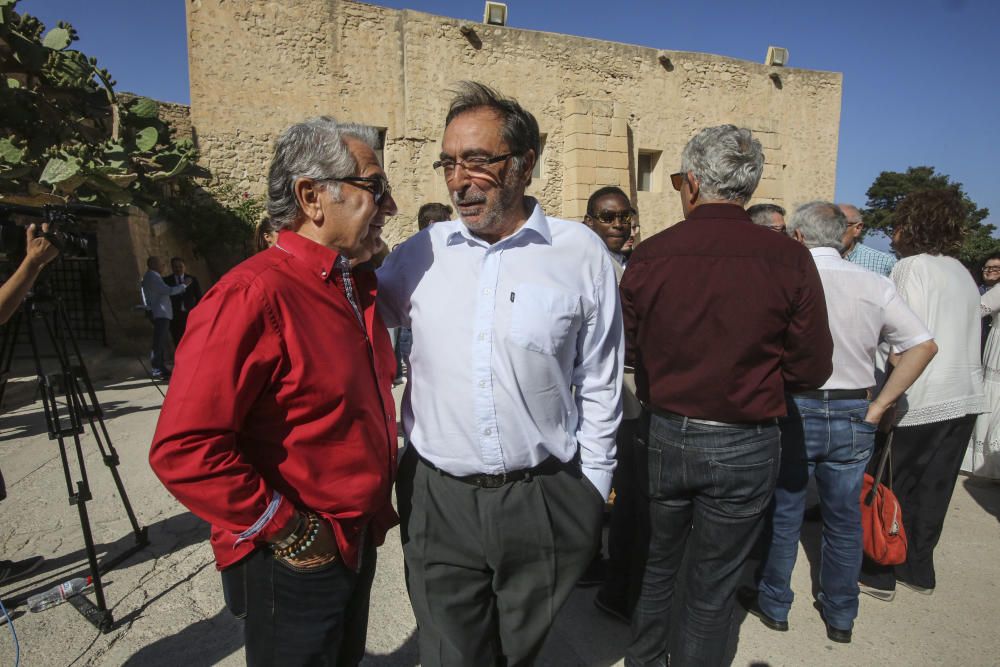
302, 541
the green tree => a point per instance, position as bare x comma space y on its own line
64, 132
891, 187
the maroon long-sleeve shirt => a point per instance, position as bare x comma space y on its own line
281, 387
722, 317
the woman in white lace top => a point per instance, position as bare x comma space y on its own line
982, 458
938, 412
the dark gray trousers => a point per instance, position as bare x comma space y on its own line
488, 569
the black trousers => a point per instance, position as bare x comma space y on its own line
925, 464
624, 570
317, 618
488, 569
178, 325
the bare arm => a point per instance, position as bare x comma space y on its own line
40, 252
907, 367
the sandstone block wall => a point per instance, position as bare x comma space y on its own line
258, 65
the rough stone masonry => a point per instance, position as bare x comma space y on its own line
611, 114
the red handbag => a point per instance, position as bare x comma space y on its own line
881, 517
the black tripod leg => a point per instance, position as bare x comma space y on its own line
101, 617
90, 407
7, 350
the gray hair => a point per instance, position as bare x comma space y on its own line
726, 160
313, 149
761, 213
821, 223
519, 130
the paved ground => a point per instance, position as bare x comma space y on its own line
168, 604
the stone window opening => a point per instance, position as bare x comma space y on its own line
538, 172
647, 176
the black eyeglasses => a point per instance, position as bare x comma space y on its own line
609, 217
379, 185
991, 269
475, 164
677, 180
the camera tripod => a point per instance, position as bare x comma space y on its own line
69, 400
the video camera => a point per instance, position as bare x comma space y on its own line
67, 231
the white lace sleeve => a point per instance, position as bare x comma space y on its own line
990, 302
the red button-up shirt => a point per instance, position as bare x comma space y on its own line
723, 316
279, 387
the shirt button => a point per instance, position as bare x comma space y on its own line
487, 431
486, 291
482, 336
323, 273
482, 384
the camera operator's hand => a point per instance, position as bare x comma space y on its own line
40, 251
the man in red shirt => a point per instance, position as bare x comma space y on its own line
722, 317
279, 427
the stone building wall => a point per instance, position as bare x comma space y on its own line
258, 65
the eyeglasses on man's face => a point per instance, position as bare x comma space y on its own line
991, 269
611, 217
781, 229
474, 164
377, 185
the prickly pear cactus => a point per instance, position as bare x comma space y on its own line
64, 132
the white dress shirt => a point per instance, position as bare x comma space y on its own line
517, 346
156, 295
942, 293
863, 308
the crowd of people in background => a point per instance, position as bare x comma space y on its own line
701, 377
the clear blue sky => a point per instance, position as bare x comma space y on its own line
921, 81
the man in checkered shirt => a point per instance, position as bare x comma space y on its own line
857, 252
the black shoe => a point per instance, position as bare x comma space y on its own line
812, 514
748, 600
614, 609
832, 633
13, 570
594, 575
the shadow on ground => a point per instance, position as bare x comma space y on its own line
32, 422
206, 642
986, 493
407, 655
165, 537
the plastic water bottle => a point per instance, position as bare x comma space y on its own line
58, 594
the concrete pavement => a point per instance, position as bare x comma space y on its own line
168, 606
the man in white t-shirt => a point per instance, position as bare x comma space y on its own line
830, 431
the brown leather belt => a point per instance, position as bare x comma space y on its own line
549, 466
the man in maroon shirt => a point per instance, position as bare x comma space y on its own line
279, 427
722, 317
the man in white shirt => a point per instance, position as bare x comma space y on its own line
513, 399
830, 432
156, 296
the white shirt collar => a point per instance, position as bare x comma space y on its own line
535, 224
825, 252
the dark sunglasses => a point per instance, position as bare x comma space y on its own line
377, 185
677, 180
609, 217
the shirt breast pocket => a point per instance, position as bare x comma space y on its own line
543, 319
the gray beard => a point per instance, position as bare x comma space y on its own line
492, 218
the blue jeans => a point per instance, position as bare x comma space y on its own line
708, 488
831, 440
